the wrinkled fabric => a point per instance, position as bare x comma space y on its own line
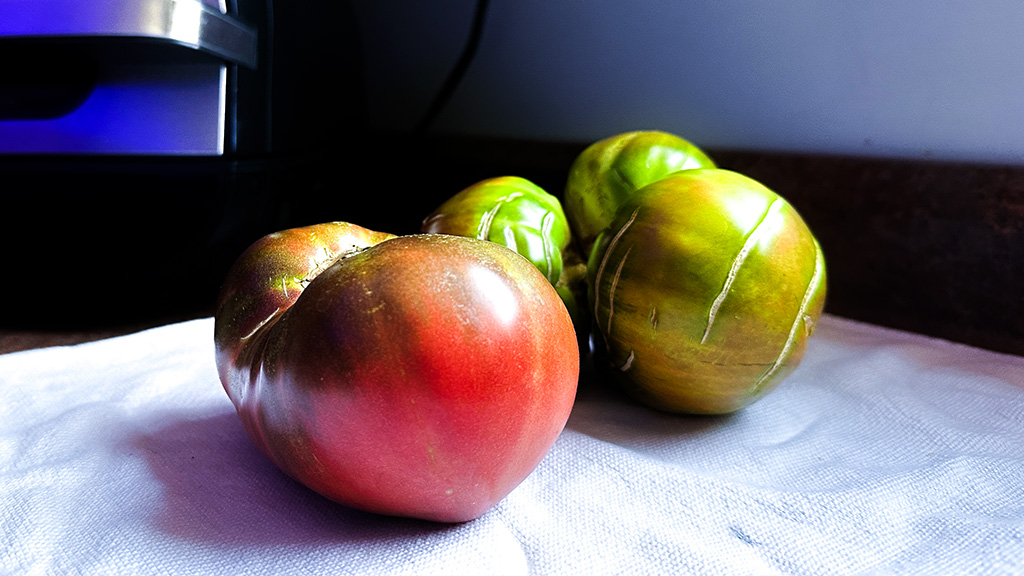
883, 453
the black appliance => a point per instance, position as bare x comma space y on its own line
145, 143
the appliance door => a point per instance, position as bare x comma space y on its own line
118, 76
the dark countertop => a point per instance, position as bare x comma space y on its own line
928, 247
20, 339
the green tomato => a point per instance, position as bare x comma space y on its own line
522, 216
703, 292
607, 173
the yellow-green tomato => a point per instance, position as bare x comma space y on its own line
518, 214
703, 291
607, 172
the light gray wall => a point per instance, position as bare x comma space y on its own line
940, 79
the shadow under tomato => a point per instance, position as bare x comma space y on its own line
219, 489
603, 411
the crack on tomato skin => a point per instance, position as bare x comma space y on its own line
261, 324
604, 262
801, 314
629, 361
547, 224
614, 287
721, 363
809, 325
653, 319
319, 265
510, 239
737, 262
331, 258
483, 231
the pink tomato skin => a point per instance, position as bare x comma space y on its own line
422, 376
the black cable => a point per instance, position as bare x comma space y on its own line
443, 96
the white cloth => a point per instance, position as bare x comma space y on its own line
884, 453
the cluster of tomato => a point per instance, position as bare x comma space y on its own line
699, 285
427, 375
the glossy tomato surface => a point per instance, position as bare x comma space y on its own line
523, 217
608, 171
422, 376
704, 290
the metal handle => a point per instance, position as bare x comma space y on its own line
189, 23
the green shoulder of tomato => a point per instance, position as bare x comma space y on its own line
609, 171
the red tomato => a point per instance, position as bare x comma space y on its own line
422, 376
